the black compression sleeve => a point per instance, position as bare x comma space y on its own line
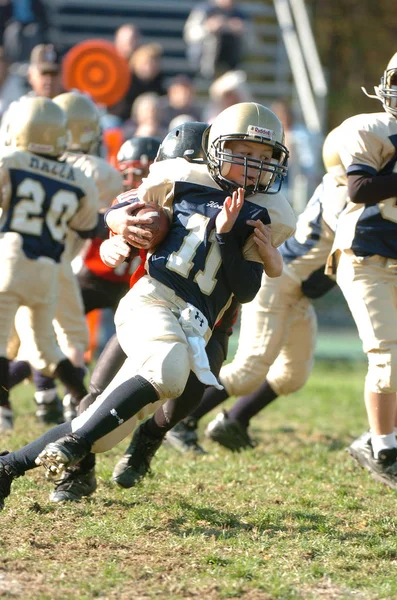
243, 276
364, 189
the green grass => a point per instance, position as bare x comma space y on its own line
292, 519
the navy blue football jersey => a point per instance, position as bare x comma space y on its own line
42, 199
189, 259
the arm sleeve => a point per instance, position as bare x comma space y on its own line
244, 276
366, 189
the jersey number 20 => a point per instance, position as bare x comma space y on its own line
28, 218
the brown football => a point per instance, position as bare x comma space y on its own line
160, 225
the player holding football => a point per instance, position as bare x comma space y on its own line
217, 246
42, 198
278, 328
365, 255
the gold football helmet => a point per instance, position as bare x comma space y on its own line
386, 91
331, 159
38, 125
83, 121
250, 122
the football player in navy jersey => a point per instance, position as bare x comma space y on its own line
219, 244
42, 198
278, 328
365, 258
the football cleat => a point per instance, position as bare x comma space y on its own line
135, 463
229, 433
62, 454
7, 475
384, 468
74, 485
48, 407
183, 438
6, 420
69, 406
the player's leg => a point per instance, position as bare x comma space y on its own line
263, 331
158, 354
289, 372
147, 438
71, 330
8, 308
370, 289
80, 480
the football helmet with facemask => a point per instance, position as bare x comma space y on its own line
83, 122
386, 91
248, 122
134, 159
184, 141
38, 125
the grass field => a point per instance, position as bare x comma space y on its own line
292, 519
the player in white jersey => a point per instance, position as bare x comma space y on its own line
42, 197
70, 324
365, 259
165, 320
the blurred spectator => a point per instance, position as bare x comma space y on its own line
147, 75
180, 100
44, 73
305, 155
11, 86
217, 34
24, 24
230, 88
44, 76
145, 117
126, 40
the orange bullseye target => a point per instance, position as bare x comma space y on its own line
95, 67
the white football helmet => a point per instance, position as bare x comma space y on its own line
38, 125
251, 122
386, 91
83, 122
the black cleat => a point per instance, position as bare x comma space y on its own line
50, 413
74, 485
384, 468
64, 453
183, 438
135, 463
7, 475
229, 433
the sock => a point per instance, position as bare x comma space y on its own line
18, 371
80, 373
71, 378
43, 382
23, 459
154, 429
121, 404
383, 442
211, 399
4, 383
248, 406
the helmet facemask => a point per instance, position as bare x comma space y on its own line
269, 172
133, 171
387, 91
